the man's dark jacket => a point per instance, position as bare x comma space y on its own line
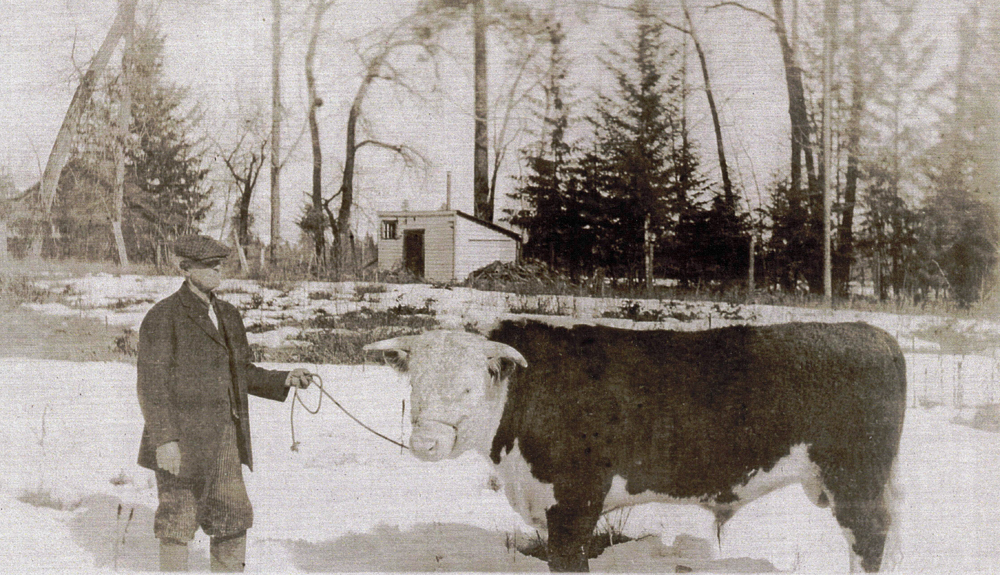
187, 372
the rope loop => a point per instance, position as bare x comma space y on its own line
318, 382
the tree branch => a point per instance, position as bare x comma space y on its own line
406, 152
741, 6
680, 29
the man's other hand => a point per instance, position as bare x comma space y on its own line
168, 457
299, 378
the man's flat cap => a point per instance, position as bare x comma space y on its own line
200, 249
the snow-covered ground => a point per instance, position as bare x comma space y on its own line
72, 497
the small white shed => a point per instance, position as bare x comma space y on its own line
442, 246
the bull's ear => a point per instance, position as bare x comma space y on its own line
503, 359
395, 352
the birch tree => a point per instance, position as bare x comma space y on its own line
122, 125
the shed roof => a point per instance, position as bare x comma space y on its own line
488, 225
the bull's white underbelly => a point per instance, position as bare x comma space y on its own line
530, 498
796, 467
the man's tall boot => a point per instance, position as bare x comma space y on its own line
228, 553
173, 555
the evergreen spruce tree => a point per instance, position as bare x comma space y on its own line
167, 197
648, 163
794, 248
888, 235
961, 218
555, 210
959, 236
547, 212
721, 242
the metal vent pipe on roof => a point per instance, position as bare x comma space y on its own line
447, 197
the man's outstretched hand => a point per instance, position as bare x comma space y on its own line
299, 378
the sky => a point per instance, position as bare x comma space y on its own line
220, 49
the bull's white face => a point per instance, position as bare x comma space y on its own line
459, 387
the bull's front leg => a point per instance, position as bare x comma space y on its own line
571, 523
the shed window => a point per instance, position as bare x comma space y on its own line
389, 231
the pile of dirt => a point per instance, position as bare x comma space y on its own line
517, 275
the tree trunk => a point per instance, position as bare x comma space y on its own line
829, 163
4, 253
343, 223
276, 117
123, 121
481, 167
793, 82
801, 146
63, 145
243, 228
244, 266
647, 239
727, 185
845, 235
315, 102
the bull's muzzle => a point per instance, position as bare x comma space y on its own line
432, 440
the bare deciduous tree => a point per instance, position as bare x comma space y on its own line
62, 147
313, 220
797, 111
506, 125
122, 132
276, 117
727, 185
419, 30
244, 162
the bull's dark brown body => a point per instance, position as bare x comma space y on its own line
697, 414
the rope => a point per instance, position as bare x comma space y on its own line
319, 384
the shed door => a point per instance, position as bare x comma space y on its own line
413, 252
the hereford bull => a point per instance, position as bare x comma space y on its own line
600, 418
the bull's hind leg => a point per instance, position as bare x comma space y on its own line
857, 483
862, 510
866, 524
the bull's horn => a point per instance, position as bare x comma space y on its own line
401, 343
496, 349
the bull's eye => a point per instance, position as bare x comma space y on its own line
467, 391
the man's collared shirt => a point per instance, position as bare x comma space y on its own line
212, 316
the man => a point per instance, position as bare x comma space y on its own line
194, 374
